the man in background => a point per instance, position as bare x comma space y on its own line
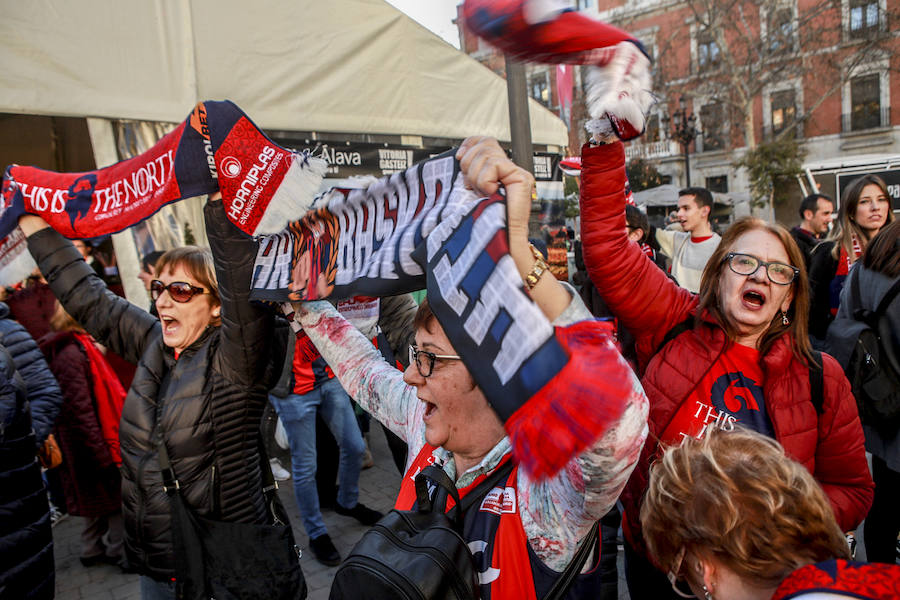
691, 248
816, 211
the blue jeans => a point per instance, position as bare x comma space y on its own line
298, 414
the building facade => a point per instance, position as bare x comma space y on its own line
821, 72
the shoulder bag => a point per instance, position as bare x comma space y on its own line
233, 561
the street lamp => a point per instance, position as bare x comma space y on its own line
684, 132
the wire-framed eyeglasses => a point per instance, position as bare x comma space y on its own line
747, 264
425, 360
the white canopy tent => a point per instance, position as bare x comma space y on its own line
355, 66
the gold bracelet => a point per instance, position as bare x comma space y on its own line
540, 265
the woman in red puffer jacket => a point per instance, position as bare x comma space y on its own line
742, 357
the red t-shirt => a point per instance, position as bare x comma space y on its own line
730, 392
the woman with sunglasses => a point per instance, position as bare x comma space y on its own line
736, 353
200, 385
730, 517
439, 410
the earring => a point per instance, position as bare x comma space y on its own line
784, 319
706, 594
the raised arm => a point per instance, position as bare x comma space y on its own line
486, 167
559, 511
637, 292
247, 329
377, 386
113, 321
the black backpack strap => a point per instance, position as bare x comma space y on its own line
567, 577
817, 382
886, 300
440, 478
673, 333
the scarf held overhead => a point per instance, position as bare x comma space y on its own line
217, 147
556, 391
414, 229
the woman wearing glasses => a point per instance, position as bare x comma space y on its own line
770, 536
437, 408
199, 387
736, 353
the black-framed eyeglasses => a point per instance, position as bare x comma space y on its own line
179, 291
425, 360
747, 264
678, 584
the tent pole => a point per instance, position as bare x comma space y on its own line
520, 126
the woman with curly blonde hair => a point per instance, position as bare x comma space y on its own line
731, 516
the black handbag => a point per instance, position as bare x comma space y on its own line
233, 561
422, 554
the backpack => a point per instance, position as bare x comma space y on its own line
422, 554
863, 347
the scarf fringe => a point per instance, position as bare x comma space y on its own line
575, 408
620, 90
295, 195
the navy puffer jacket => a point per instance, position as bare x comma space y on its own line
26, 544
43, 391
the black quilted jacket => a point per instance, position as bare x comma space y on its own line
206, 406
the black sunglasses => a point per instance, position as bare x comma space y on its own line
179, 291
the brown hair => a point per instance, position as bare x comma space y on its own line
424, 316
798, 312
736, 496
845, 227
883, 252
61, 320
199, 263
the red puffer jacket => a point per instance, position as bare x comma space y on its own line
649, 305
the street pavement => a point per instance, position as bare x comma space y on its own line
378, 488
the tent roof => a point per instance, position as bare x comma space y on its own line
357, 66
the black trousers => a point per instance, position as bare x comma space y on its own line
883, 521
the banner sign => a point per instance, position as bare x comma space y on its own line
546, 167
216, 148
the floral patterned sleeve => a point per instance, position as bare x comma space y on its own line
376, 385
558, 512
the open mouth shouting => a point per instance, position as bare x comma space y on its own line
753, 299
430, 409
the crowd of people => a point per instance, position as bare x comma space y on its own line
736, 460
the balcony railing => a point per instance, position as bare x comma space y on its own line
861, 120
649, 150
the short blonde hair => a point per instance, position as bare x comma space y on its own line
736, 497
